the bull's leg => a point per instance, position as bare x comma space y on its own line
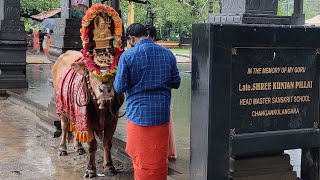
91, 168
64, 128
108, 134
78, 147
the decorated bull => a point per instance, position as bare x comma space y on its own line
83, 81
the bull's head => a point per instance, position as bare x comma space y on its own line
103, 91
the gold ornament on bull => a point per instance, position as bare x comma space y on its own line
102, 37
101, 33
101, 40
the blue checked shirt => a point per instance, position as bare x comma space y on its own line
147, 73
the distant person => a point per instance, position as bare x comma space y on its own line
48, 41
147, 72
44, 44
36, 41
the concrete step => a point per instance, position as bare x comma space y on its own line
178, 177
264, 168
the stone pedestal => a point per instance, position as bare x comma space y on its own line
256, 12
13, 46
66, 34
264, 168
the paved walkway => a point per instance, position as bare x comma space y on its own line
28, 154
37, 58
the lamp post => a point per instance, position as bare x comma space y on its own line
151, 15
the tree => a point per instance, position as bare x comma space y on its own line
29, 7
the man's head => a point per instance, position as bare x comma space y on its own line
151, 31
135, 33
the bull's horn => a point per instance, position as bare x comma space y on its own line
98, 101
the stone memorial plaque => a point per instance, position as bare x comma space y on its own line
274, 89
255, 91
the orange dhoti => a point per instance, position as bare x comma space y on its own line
148, 148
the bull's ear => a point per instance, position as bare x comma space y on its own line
79, 67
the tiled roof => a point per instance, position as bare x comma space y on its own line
46, 14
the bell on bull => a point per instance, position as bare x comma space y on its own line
83, 81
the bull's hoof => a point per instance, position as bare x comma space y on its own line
80, 151
90, 175
62, 152
111, 171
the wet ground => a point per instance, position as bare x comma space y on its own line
26, 153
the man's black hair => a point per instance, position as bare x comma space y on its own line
137, 30
151, 30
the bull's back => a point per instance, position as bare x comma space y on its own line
62, 64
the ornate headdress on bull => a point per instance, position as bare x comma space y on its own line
101, 39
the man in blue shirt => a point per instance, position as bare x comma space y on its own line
147, 72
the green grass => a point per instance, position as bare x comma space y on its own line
180, 51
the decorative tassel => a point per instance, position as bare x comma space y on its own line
84, 136
72, 127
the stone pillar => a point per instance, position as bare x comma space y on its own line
256, 12
13, 46
116, 5
298, 17
211, 6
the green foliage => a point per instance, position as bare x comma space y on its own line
34, 6
173, 19
28, 6
30, 25
310, 8
180, 51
